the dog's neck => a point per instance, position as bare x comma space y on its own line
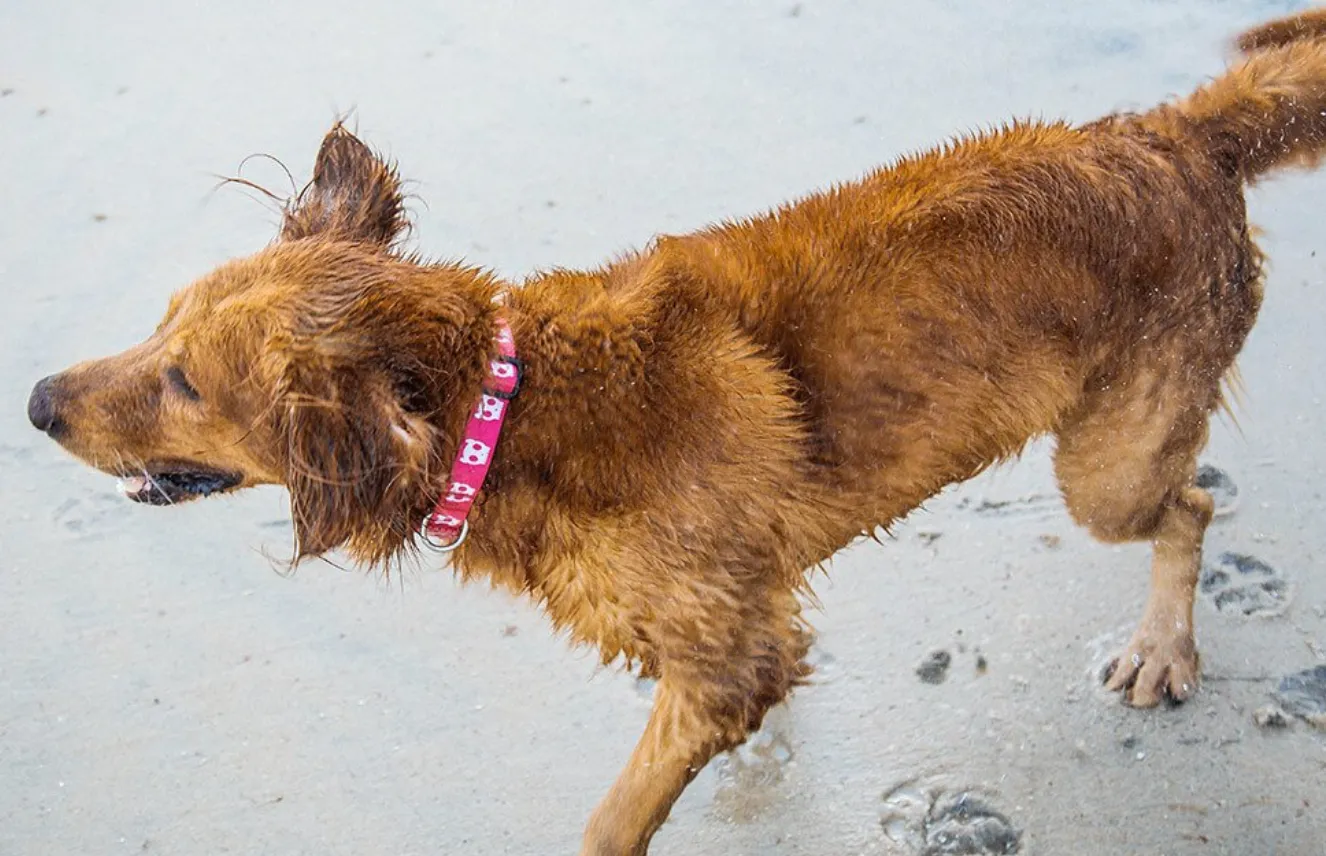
587, 416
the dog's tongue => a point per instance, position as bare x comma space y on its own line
130, 485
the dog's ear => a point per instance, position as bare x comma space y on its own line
357, 464
354, 196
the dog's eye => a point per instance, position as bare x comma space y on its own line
177, 379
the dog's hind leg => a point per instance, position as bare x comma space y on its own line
709, 699
1126, 462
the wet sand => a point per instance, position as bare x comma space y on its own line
164, 690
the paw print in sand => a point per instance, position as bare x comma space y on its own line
90, 516
1222, 487
931, 821
1240, 584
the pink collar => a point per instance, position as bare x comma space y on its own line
446, 528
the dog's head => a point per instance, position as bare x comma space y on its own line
327, 362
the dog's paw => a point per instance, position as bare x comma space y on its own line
1155, 666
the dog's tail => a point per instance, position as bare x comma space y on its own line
1269, 110
1284, 31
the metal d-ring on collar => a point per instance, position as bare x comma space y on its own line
431, 540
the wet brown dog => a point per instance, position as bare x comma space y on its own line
707, 419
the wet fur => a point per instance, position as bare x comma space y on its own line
703, 421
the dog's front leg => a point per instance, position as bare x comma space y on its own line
683, 734
703, 705
727, 660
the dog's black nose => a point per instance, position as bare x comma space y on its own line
41, 409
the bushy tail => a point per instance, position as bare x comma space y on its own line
1269, 110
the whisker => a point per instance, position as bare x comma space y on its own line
153, 484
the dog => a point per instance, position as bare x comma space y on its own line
687, 431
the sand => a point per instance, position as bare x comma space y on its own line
163, 689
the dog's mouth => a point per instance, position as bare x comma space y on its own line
169, 485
